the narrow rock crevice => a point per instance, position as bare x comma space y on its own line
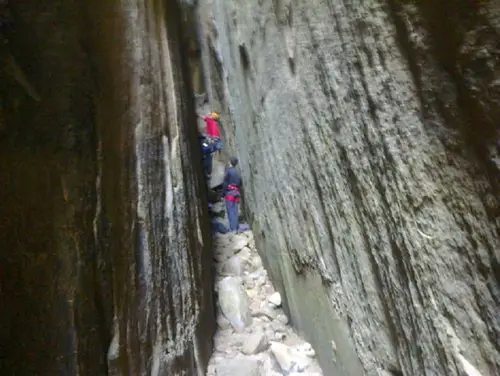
368, 142
253, 337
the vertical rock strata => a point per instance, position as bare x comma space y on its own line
367, 133
105, 266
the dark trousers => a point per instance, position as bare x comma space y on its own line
207, 163
207, 149
232, 215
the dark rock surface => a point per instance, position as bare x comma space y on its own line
105, 266
368, 138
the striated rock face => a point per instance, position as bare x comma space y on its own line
368, 138
105, 259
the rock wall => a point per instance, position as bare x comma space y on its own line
368, 138
106, 265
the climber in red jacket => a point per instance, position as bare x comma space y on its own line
212, 130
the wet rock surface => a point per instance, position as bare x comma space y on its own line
105, 261
368, 140
253, 338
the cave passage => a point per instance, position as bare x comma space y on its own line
368, 174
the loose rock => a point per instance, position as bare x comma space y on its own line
233, 302
279, 336
275, 299
238, 243
233, 266
282, 319
307, 349
250, 316
256, 263
283, 356
222, 322
256, 343
265, 312
238, 366
288, 358
245, 254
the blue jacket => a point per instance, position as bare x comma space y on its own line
231, 177
206, 147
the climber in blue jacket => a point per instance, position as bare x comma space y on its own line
206, 151
232, 196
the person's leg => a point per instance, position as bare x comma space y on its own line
236, 217
206, 165
209, 164
230, 209
204, 161
218, 145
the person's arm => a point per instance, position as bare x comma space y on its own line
242, 197
240, 184
224, 182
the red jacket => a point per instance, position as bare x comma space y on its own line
212, 127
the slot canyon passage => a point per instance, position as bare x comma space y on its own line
368, 139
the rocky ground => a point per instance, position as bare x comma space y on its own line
253, 337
